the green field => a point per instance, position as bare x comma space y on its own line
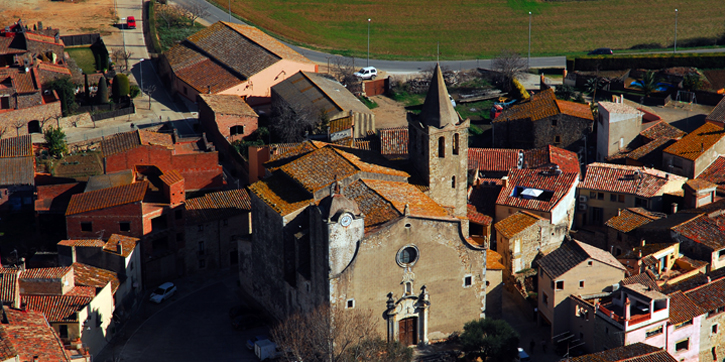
84, 58
469, 29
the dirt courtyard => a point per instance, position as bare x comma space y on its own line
71, 17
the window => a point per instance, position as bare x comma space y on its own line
714, 329
619, 236
581, 284
184, 90
236, 130
200, 227
179, 236
407, 256
545, 299
559, 285
682, 345
201, 248
453, 182
688, 323
600, 196
612, 197
557, 140
467, 281
592, 195
350, 303
86, 226
124, 226
721, 254
442, 147
553, 122
456, 142
202, 263
5, 104
408, 288
654, 331
590, 263
620, 198
63, 331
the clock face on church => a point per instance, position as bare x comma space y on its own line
346, 220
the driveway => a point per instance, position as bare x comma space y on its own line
192, 326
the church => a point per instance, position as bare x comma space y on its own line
345, 227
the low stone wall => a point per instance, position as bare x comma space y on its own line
15, 123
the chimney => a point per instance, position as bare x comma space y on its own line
621, 98
627, 311
563, 73
709, 280
35, 358
208, 89
57, 38
119, 248
505, 181
642, 242
640, 254
619, 212
673, 208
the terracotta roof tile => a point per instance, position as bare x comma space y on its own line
171, 177
108, 197
494, 260
17, 171
228, 104
572, 253
546, 156
45, 273
8, 284
267, 42
128, 244
55, 198
341, 124
637, 352
279, 194
718, 113
362, 144
516, 223
376, 208
696, 143
90, 276
94, 243
16, 147
155, 138
715, 173
27, 335
120, 142
208, 73
575, 109
25, 82
662, 129
401, 193
57, 308
217, 205
181, 56
494, 159
705, 230
477, 217
283, 153
700, 184
555, 187
642, 278
630, 219
682, 309
650, 152
394, 141
624, 179
544, 105
710, 296
620, 108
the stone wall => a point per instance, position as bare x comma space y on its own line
9, 119
524, 133
219, 238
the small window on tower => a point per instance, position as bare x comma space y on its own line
350, 303
453, 182
456, 143
467, 281
442, 147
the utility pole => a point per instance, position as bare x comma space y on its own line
675, 51
528, 61
368, 64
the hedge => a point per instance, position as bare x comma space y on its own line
152, 27
647, 61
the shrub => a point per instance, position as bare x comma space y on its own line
120, 87
564, 92
55, 137
102, 93
135, 91
518, 90
66, 92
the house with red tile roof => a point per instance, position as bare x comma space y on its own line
646, 149
27, 336
226, 118
344, 227
710, 297
543, 120
227, 58
715, 173
703, 238
621, 235
606, 188
695, 152
636, 352
548, 193
17, 171
77, 301
120, 255
216, 226
195, 159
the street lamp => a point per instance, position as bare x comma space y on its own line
140, 67
528, 61
230, 11
675, 51
368, 42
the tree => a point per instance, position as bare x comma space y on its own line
102, 92
343, 70
149, 89
492, 338
195, 11
55, 138
693, 82
648, 84
66, 92
120, 87
348, 337
288, 125
510, 65
564, 92
119, 55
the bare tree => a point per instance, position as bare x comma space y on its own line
195, 11
149, 90
172, 14
43, 121
126, 55
343, 70
3, 130
511, 66
18, 124
288, 125
349, 335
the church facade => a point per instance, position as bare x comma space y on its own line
340, 226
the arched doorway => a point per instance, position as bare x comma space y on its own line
34, 126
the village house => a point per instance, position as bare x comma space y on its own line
619, 124
695, 152
214, 225
606, 188
316, 98
26, 334
710, 297
356, 234
574, 268
17, 173
228, 58
226, 119
715, 174
698, 193
520, 238
620, 229
543, 120
703, 238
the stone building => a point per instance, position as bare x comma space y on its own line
226, 118
703, 238
710, 298
694, 153
619, 124
543, 120
336, 226
621, 229
520, 238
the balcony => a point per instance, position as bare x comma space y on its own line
615, 313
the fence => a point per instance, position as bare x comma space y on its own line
80, 39
111, 114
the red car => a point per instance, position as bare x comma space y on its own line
131, 22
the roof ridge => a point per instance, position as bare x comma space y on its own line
365, 180
304, 74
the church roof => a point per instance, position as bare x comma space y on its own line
437, 109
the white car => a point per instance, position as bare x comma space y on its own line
523, 356
163, 292
367, 73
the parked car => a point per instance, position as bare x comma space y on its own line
366, 73
163, 292
251, 342
601, 51
523, 356
131, 22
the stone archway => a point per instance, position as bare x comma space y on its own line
34, 127
407, 318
